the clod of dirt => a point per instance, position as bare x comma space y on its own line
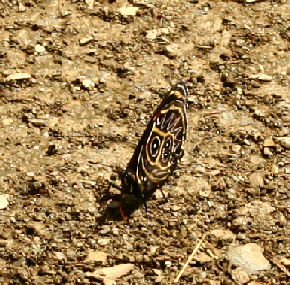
109, 274
223, 234
128, 11
104, 241
240, 276
88, 84
93, 256
284, 141
256, 180
249, 257
269, 143
4, 201
258, 209
172, 50
38, 229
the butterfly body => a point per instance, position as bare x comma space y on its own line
160, 147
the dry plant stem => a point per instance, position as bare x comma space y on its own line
189, 259
281, 266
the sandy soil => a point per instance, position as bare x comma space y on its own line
78, 83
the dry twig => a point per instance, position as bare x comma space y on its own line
189, 259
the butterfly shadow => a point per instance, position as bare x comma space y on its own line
110, 204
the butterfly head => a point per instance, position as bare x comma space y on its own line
130, 186
129, 183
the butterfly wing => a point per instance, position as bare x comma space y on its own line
161, 145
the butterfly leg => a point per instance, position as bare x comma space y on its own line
112, 184
145, 205
122, 212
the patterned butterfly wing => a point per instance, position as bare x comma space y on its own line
160, 147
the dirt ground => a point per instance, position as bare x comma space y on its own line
78, 83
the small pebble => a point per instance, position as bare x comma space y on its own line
240, 276
256, 179
18, 76
128, 11
267, 151
39, 48
86, 40
168, 263
104, 241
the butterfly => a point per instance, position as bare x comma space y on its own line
160, 148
